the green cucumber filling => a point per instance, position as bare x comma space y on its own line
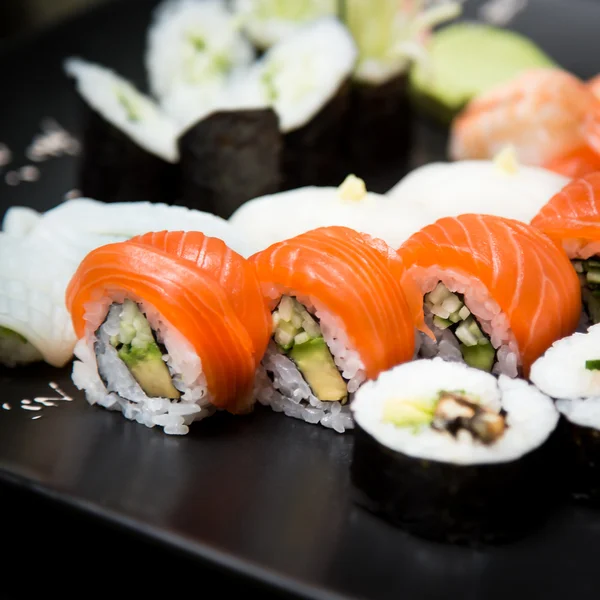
298, 335
451, 412
16, 349
589, 277
137, 347
454, 325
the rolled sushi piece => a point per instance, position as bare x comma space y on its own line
340, 316
569, 373
267, 22
36, 267
193, 48
129, 149
453, 454
171, 326
230, 157
449, 189
496, 292
273, 218
390, 34
305, 79
571, 218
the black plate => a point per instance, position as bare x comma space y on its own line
264, 495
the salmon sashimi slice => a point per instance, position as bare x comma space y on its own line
541, 113
571, 218
518, 287
236, 276
594, 85
189, 300
577, 163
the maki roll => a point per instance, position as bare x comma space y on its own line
340, 316
389, 35
266, 220
267, 22
449, 189
193, 49
571, 218
129, 149
496, 292
230, 157
569, 372
170, 325
34, 321
451, 453
305, 79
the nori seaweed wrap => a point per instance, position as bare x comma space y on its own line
230, 157
452, 454
128, 146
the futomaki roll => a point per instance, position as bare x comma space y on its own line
170, 327
129, 149
340, 316
569, 372
451, 453
496, 292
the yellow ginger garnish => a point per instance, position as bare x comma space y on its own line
352, 189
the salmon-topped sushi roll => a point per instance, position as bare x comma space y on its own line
496, 292
571, 218
340, 317
171, 326
541, 113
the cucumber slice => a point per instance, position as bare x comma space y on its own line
593, 263
474, 328
452, 303
465, 336
593, 275
439, 294
592, 365
442, 323
464, 313
439, 311
578, 266
455, 317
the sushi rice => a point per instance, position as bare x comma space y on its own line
267, 22
530, 414
122, 105
108, 382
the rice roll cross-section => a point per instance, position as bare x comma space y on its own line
193, 49
569, 372
267, 22
305, 78
129, 149
571, 218
340, 316
171, 326
496, 292
454, 454
389, 34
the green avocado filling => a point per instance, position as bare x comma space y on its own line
138, 349
451, 412
450, 312
589, 277
9, 334
298, 335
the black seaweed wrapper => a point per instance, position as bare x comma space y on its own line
113, 168
470, 505
228, 158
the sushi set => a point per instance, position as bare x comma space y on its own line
340, 260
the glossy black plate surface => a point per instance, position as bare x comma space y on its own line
263, 496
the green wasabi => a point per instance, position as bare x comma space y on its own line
465, 60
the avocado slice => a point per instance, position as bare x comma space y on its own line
137, 348
404, 413
9, 334
149, 370
467, 59
479, 356
316, 364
